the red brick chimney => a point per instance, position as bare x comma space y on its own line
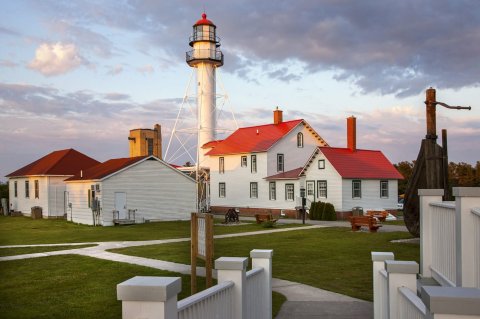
352, 133
277, 116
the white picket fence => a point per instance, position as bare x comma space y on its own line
449, 253
238, 295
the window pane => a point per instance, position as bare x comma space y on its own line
254, 163
273, 191
321, 164
299, 140
254, 190
322, 189
280, 162
289, 192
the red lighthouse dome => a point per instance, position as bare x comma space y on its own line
204, 21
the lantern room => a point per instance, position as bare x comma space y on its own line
205, 44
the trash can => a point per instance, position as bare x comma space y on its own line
357, 211
36, 212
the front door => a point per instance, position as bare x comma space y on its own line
310, 191
121, 205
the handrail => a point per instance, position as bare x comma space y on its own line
413, 299
194, 38
476, 211
253, 272
216, 55
203, 295
449, 205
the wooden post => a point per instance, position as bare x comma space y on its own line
209, 249
446, 189
201, 247
431, 114
193, 252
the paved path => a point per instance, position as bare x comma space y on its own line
302, 301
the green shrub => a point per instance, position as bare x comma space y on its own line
329, 212
268, 224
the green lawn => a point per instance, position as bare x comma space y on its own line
24, 230
72, 286
334, 259
31, 250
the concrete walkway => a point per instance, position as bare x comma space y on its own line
302, 301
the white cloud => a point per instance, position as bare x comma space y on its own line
146, 69
115, 70
56, 59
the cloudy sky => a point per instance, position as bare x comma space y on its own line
80, 74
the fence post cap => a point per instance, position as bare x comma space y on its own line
466, 191
231, 263
451, 300
146, 288
261, 253
401, 267
430, 192
382, 256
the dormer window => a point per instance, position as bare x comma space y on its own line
300, 140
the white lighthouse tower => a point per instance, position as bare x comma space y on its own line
205, 57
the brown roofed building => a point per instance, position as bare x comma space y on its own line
41, 183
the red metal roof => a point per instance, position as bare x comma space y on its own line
204, 21
365, 164
211, 144
62, 162
106, 168
253, 139
292, 174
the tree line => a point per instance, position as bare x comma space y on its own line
459, 174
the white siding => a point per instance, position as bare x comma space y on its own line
370, 195
329, 174
294, 156
237, 181
56, 192
78, 198
46, 199
156, 191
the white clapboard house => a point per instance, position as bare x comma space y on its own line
130, 190
41, 183
262, 169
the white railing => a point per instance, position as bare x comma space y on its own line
449, 253
214, 302
476, 244
443, 240
238, 294
410, 306
383, 309
255, 296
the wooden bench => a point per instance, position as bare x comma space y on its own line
380, 214
260, 218
368, 221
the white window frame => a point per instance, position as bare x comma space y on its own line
290, 192
272, 191
253, 189
221, 165
321, 164
299, 140
253, 163
222, 190
322, 186
37, 188
243, 161
383, 189
27, 189
280, 162
356, 191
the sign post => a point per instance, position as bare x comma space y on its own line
201, 247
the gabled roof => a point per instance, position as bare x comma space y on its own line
292, 174
105, 169
365, 164
59, 163
257, 138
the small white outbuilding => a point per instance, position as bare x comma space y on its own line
130, 190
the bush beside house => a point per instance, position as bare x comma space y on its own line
322, 211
